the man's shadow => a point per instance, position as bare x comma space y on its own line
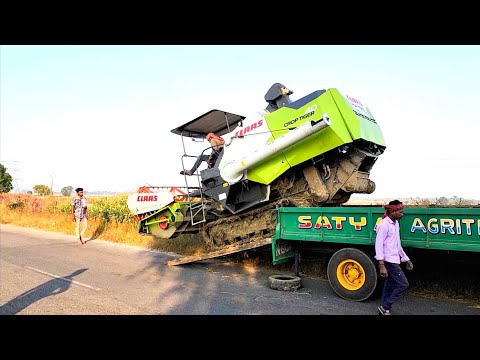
98, 231
53, 287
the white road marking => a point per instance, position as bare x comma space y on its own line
229, 293
69, 280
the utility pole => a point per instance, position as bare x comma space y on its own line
51, 184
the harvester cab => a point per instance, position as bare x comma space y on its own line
214, 121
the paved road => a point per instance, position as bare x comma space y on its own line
49, 273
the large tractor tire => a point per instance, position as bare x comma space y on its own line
352, 274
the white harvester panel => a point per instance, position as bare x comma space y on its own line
144, 202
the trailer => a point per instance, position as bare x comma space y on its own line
348, 233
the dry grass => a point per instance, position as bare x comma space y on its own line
125, 233
122, 233
107, 221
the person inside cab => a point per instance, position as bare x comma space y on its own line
217, 144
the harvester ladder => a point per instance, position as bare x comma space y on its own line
196, 207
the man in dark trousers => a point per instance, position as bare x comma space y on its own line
390, 254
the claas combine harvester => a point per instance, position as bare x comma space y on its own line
314, 151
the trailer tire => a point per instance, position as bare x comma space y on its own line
352, 274
285, 282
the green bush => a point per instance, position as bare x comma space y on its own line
64, 208
105, 208
110, 208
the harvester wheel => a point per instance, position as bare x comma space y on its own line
285, 282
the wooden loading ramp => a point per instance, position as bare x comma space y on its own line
227, 250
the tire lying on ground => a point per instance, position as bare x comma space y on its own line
285, 282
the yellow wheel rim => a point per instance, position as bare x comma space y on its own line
350, 274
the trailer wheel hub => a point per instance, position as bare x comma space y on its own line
350, 274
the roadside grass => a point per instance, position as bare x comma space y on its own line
125, 233
435, 275
64, 224
109, 220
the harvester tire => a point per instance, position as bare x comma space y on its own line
285, 282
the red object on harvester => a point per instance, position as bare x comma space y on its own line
144, 189
163, 225
178, 195
182, 197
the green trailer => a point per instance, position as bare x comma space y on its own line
348, 232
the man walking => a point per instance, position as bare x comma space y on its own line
389, 253
79, 212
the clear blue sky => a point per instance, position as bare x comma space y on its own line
100, 116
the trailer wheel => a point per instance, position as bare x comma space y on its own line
285, 282
352, 274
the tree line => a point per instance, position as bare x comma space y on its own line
6, 185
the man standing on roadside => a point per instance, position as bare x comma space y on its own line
79, 212
389, 253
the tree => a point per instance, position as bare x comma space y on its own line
5, 180
66, 190
442, 201
421, 201
42, 189
458, 201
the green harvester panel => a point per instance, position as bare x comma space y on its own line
455, 229
345, 127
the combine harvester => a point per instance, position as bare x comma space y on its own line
315, 151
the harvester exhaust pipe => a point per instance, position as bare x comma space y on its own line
233, 171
